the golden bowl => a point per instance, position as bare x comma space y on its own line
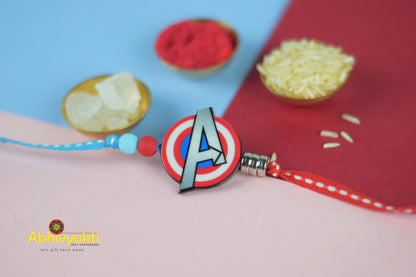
205, 72
293, 59
88, 87
300, 101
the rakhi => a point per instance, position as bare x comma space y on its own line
202, 151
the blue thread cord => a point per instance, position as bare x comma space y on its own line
110, 142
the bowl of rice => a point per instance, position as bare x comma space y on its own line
305, 72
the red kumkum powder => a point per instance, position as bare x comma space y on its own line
195, 44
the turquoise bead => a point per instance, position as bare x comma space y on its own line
128, 143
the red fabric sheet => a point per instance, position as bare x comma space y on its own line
380, 91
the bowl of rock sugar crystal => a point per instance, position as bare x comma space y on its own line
110, 104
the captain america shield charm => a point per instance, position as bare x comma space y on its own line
201, 151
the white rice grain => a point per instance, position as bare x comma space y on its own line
331, 145
351, 118
330, 134
346, 136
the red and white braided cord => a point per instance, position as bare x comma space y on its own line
333, 189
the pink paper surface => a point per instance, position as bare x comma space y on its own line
249, 226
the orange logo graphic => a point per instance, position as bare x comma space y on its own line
56, 226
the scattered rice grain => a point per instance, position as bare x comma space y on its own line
351, 118
331, 145
347, 137
330, 134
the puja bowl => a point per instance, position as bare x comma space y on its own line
88, 87
305, 72
211, 70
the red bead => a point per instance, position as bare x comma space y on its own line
147, 146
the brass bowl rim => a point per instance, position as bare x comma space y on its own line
212, 68
146, 92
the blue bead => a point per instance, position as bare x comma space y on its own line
112, 141
128, 143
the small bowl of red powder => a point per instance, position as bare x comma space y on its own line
197, 48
